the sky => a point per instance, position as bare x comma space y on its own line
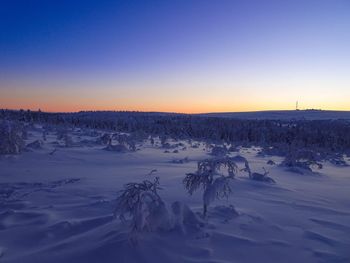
186, 56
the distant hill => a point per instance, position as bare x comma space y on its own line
251, 115
283, 115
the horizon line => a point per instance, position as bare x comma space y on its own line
171, 112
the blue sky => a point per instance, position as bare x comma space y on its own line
184, 56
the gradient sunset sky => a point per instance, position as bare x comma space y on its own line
176, 56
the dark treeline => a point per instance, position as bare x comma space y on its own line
330, 135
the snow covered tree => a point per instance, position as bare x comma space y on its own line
11, 139
141, 203
209, 177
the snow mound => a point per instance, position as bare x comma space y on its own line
36, 145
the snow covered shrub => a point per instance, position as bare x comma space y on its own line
209, 177
151, 139
219, 151
262, 177
195, 145
11, 140
163, 141
233, 148
301, 161
128, 141
240, 159
277, 150
35, 145
270, 162
338, 160
105, 139
61, 133
252, 175
141, 203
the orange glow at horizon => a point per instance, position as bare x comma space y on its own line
189, 108
174, 97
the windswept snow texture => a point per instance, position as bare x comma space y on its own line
57, 203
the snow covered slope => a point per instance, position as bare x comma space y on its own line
57, 206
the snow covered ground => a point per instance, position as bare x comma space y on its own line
59, 207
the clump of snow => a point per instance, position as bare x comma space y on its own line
184, 219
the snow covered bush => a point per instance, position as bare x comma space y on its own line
301, 161
151, 139
270, 162
37, 144
262, 177
209, 177
240, 159
60, 133
338, 159
128, 141
163, 141
11, 139
219, 151
252, 175
105, 139
142, 205
233, 148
